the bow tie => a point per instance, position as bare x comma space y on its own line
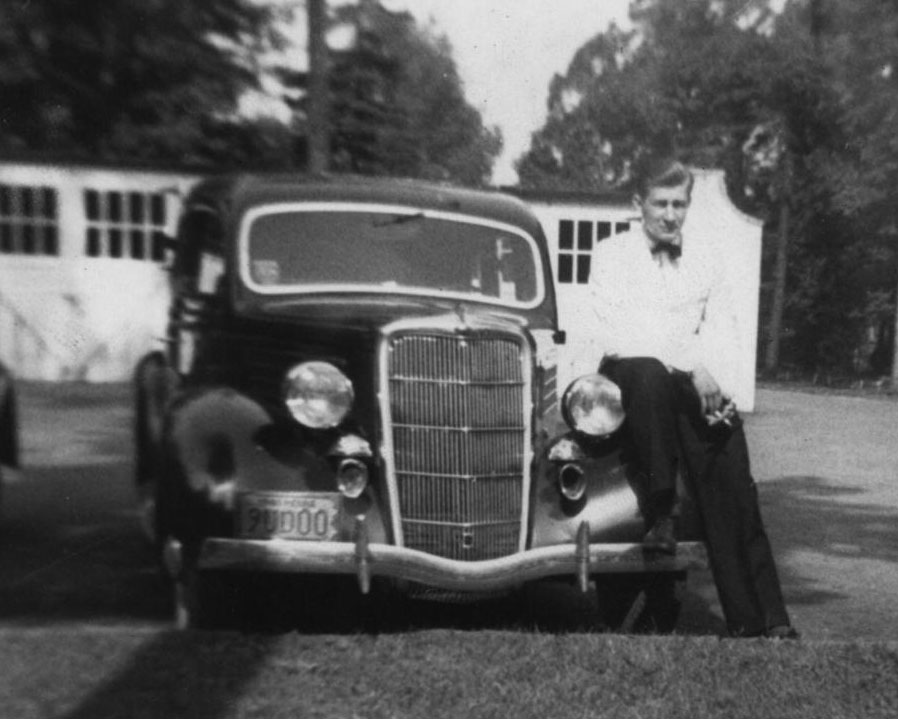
673, 250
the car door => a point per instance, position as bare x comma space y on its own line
199, 302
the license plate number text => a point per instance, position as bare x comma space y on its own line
288, 516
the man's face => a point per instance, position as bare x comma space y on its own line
663, 212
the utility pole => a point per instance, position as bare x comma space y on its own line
318, 135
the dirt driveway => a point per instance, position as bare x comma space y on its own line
828, 472
827, 467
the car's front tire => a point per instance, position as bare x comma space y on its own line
208, 600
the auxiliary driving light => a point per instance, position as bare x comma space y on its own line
352, 478
572, 482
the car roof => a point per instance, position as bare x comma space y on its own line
239, 191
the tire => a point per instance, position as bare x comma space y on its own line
146, 444
209, 600
153, 386
644, 603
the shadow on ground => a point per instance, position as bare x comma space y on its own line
71, 548
838, 556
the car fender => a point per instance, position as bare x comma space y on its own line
609, 507
219, 442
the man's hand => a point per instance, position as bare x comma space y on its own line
707, 388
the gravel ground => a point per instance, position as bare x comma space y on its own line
828, 470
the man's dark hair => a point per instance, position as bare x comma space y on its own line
664, 171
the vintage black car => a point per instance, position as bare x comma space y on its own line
360, 380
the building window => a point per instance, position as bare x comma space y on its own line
29, 222
575, 243
574, 256
129, 225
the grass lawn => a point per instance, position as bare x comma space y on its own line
98, 673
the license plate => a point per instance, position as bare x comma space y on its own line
288, 515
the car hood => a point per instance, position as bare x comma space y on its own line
370, 314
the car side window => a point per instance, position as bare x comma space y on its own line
199, 264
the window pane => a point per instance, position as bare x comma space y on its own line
92, 204
136, 206
565, 268
93, 242
158, 246
28, 244
375, 249
27, 195
114, 206
49, 203
115, 243
137, 244
584, 235
5, 201
157, 210
51, 240
603, 230
583, 269
621, 227
5, 237
566, 235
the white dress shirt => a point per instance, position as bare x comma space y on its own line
676, 310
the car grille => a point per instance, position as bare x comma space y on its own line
459, 409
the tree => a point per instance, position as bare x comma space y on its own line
132, 79
686, 79
722, 84
397, 103
862, 44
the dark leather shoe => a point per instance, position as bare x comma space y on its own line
661, 538
782, 631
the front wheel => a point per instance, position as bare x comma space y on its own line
154, 384
208, 600
640, 602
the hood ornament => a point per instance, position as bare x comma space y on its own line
462, 318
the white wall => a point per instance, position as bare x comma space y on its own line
87, 319
71, 316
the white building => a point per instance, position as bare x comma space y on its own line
83, 291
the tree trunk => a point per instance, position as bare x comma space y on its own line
775, 324
319, 137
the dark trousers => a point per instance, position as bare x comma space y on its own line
665, 423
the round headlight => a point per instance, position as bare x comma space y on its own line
591, 404
352, 478
317, 394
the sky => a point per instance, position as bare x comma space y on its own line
507, 52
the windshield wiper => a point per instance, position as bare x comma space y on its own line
400, 220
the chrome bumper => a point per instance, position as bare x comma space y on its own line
363, 559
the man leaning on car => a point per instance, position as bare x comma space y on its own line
654, 295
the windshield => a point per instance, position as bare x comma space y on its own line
297, 249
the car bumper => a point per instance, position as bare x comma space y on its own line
579, 560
